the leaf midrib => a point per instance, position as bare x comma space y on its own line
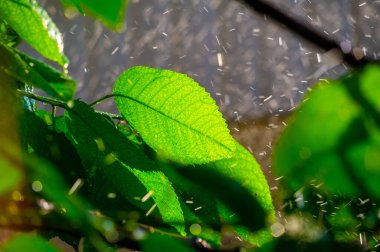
175, 120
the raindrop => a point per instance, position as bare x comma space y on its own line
111, 195
139, 234
37, 186
70, 104
78, 183
45, 205
147, 196
277, 229
17, 196
195, 229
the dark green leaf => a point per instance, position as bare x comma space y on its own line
34, 25
10, 153
333, 140
47, 181
28, 242
107, 153
283, 244
159, 243
174, 115
30, 71
50, 145
198, 205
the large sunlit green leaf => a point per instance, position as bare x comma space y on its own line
115, 158
174, 115
32, 23
333, 140
28, 242
27, 70
111, 14
10, 155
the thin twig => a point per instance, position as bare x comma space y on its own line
57, 103
306, 32
40, 98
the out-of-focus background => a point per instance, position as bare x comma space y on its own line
254, 68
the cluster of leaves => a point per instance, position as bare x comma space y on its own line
167, 165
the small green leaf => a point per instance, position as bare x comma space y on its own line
333, 140
106, 151
30, 71
28, 242
174, 115
63, 85
111, 14
33, 24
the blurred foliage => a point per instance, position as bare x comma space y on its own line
328, 157
166, 175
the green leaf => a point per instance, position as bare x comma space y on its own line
111, 14
159, 243
7, 35
174, 115
334, 138
33, 24
109, 153
10, 153
28, 242
63, 86
30, 71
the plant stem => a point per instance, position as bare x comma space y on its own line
40, 98
113, 116
62, 104
101, 99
